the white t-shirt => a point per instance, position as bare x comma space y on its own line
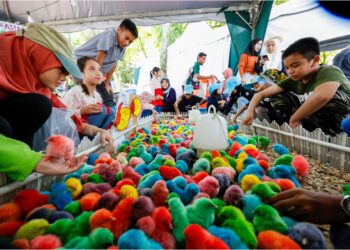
76, 98
155, 84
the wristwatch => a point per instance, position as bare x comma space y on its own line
345, 204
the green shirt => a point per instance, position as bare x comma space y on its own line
326, 73
193, 71
17, 160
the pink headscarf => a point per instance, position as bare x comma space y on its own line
228, 73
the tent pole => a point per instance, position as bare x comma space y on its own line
7, 10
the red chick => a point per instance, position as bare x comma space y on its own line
9, 229
234, 148
129, 172
101, 218
60, 146
89, 201
159, 193
301, 166
172, 150
9, 212
162, 232
123, 216
199, 176
48, 241
169, 173
147, 225
273, 240
262, 157
215, 154
285, 184
252, 152
264, 164
29, 199
123, 182
195, 232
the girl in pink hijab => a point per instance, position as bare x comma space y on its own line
227, 73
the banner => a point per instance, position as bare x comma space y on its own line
5, 26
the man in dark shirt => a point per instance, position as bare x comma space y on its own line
187, 101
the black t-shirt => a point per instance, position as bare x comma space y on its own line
186, 104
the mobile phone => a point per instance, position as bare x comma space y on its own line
265, 57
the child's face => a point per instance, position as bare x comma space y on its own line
299, 67
92, 73
53, 78
218, 91
125, 37
188, 96
157, 74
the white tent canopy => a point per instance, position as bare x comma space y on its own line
183, 53
75, 15
296, 19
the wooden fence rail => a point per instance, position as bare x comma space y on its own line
334, 151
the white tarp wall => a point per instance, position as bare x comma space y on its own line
296, 19
198, 37
144, 76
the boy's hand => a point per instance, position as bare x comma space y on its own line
234, 120
248, 119
294, 123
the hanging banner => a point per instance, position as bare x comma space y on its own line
5, 26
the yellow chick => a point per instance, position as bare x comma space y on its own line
249, 146
128, 191
231, 134
239, 161
74, 185
249, 181
219, 162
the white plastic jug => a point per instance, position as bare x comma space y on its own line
210, 132
193, 115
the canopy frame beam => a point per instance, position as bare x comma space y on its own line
144, 15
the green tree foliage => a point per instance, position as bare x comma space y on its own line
278, 2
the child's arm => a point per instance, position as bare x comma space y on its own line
109, 75
239, 112
321, 96
176, 105
18, 161
273, 90
202, 101
206, 77
100, 57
